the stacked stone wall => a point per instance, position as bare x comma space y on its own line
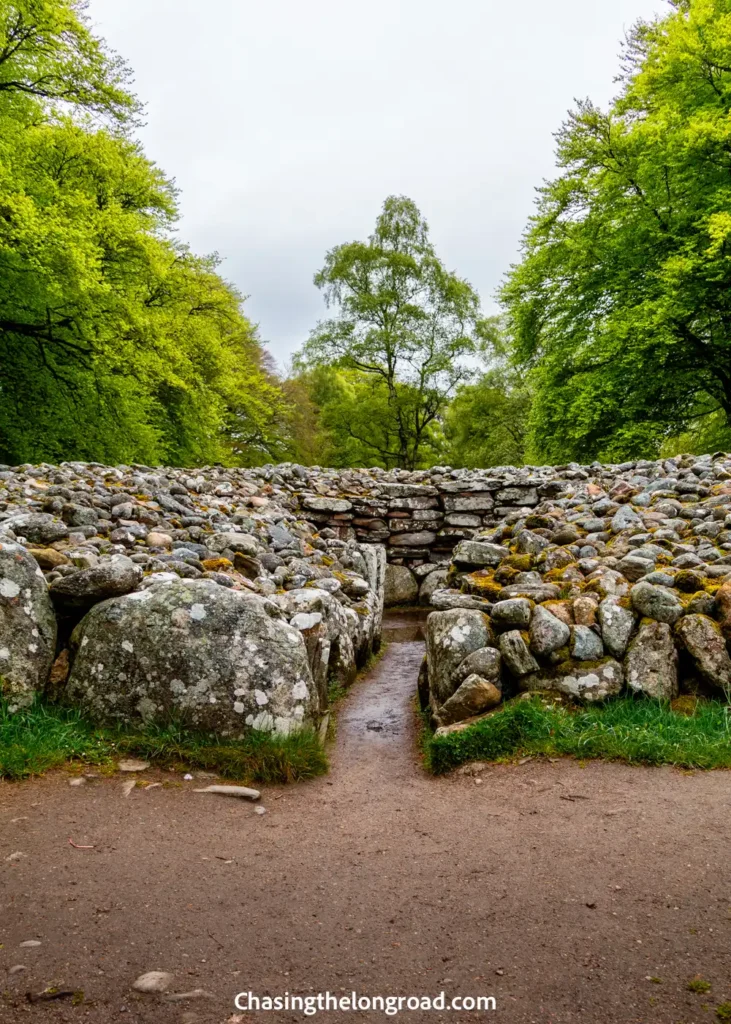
234, 598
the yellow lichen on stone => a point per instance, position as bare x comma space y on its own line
217, 564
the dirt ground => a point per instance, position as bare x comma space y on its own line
572, 894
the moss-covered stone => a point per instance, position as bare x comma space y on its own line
522, 563
481, 584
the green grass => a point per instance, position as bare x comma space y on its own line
630, 729
45, 736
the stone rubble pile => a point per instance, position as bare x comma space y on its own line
607, 579
234, 598
199, 596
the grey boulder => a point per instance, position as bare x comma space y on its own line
326, 504
485, 662
657, 603
450, 637
111, 578
616, 624
512, 614
472, 697
591, 683
27, 627
517, 657
703, 640
38, 527
331, 635
547, 633
231, 541
432, 583
479, 554
445, 599
193, 653
625, 517
400, 587
586, 644
651, 666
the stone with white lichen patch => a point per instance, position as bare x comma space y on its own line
451, 636
195, 653
27, 627
590, 682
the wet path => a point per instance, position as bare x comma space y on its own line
376, 721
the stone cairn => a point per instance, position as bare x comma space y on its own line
202, 597
234, 598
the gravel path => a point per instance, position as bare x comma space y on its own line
560, 890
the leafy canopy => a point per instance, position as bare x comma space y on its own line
116, 342
485, 424
621, 306
48, 52
403, 327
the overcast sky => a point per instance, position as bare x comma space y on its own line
286, 123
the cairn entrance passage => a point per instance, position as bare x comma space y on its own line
376, 723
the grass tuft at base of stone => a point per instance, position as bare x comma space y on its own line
45, 736
633, 729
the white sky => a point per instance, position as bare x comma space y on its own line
286, 123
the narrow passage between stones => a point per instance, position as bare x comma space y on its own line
377, 719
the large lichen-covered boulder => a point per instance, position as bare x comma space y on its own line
374, 567
331, 634
651, 665
401, 586
192, 652
450, 637
27, 627
703, 640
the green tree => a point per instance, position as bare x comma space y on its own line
48, 53
116, 342
486, 422
404, 323
621, 306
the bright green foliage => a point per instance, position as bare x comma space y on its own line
116, 343
485, 424
351, 422
48, 53
622, 303
309, 443
638, 730
709, 433
404, 324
